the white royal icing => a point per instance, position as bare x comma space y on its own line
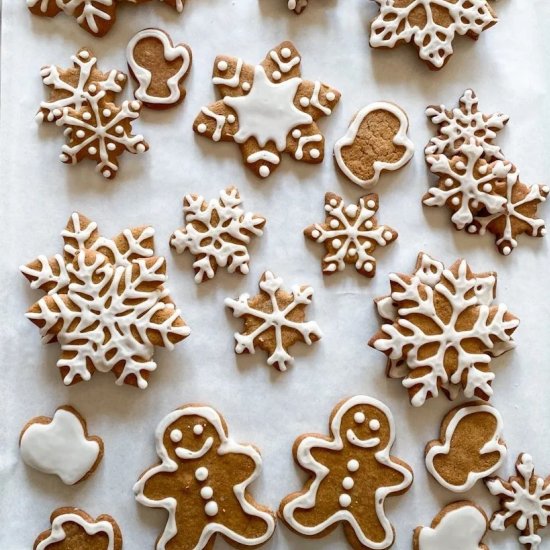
144, 76
493, 445
400, 139
59, 447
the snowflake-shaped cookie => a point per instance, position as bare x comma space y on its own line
442, 329
459, 125
217, 233
350, 234
274, 320
72, 87
431, 24
101, 131
268, 109
525, 502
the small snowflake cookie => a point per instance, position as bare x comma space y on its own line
158, 67
61, 446
274, 320
351, 473
460, 525
525, 502
202, 481
441, 329
297, 6
470, 447
350, 234
217, 233
431, 24
268, 109
375, 141
75, 529
106, 304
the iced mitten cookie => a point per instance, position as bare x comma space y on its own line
441, 330
350, 234
217, 233
431, 25
202, 482
459, 526
268, 109
74, 529
106, 304
274, 320
525, 502
158, 67
351, 475
375, 141
61, 446
470, 447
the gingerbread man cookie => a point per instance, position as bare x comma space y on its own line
268, 109
74, 529
202, 482
158, 67
470, 447
351, 475
375, 141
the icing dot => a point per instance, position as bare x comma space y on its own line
506, 250
334, 224
107, 113
487, 188
92, 150
359, 417
246, 86
296, 133
351, 210
472, 229
304, 101
352, 251
353, 465
207, 493
276, 75
264, 171
475, 203
455, 201
286, 53
80, 134
211, 508
367, 245
344, 500
336, 243
333, 202
368, 267
328, 208
388, 236
176, 436
368, 224
315, 234
545, 189
135, 105
460, 165
449, 182
201, 473
111, 146
231, 119
483, 169
222, 65
348, 483
315, 153
63, 157
121, 77
56, 113
201, 128
87, 116
92, 88
140, 148
374, 425
198, 429
331, 96
84, 54
106, 173
119, 129
371, 204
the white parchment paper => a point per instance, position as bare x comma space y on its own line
508, 68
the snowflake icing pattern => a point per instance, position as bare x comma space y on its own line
350, 234
525, 501
441, 330
217, 233
274, 320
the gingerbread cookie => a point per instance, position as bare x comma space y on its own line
351, 475
158, 67
431, 25
470, 447
459, 526
268, 109
441, 329
106, 304
202, 482
75, 529
525, 502
297, 6
376, 140
274, 320
350, 234
61, 446
217, 233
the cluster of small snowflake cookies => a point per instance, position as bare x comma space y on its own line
476, 183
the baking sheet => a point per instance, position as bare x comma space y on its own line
508, 68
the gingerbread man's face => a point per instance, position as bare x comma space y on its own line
190, 437
366, 427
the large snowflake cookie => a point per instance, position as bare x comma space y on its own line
61, 446
274, 320
459, 526
106, 304
470, 447
431, 24
525, 502
375, 141
217, 233
268, 109
441, 329
202, 481
351, 475
350, 234
74, 528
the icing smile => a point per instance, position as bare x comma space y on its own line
364, 443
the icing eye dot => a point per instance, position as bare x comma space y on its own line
348, 483
315, 153
286, 53
296, 134
359, 417
207, 493
344, 500
231, 119
304, 101
353, 465
246, 86
374, 425
222, 66
201, 474
264, 171
331, 96
201, 128
211, 508
198, 429
276, 75
176, 436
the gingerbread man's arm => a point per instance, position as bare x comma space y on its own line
157, 486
